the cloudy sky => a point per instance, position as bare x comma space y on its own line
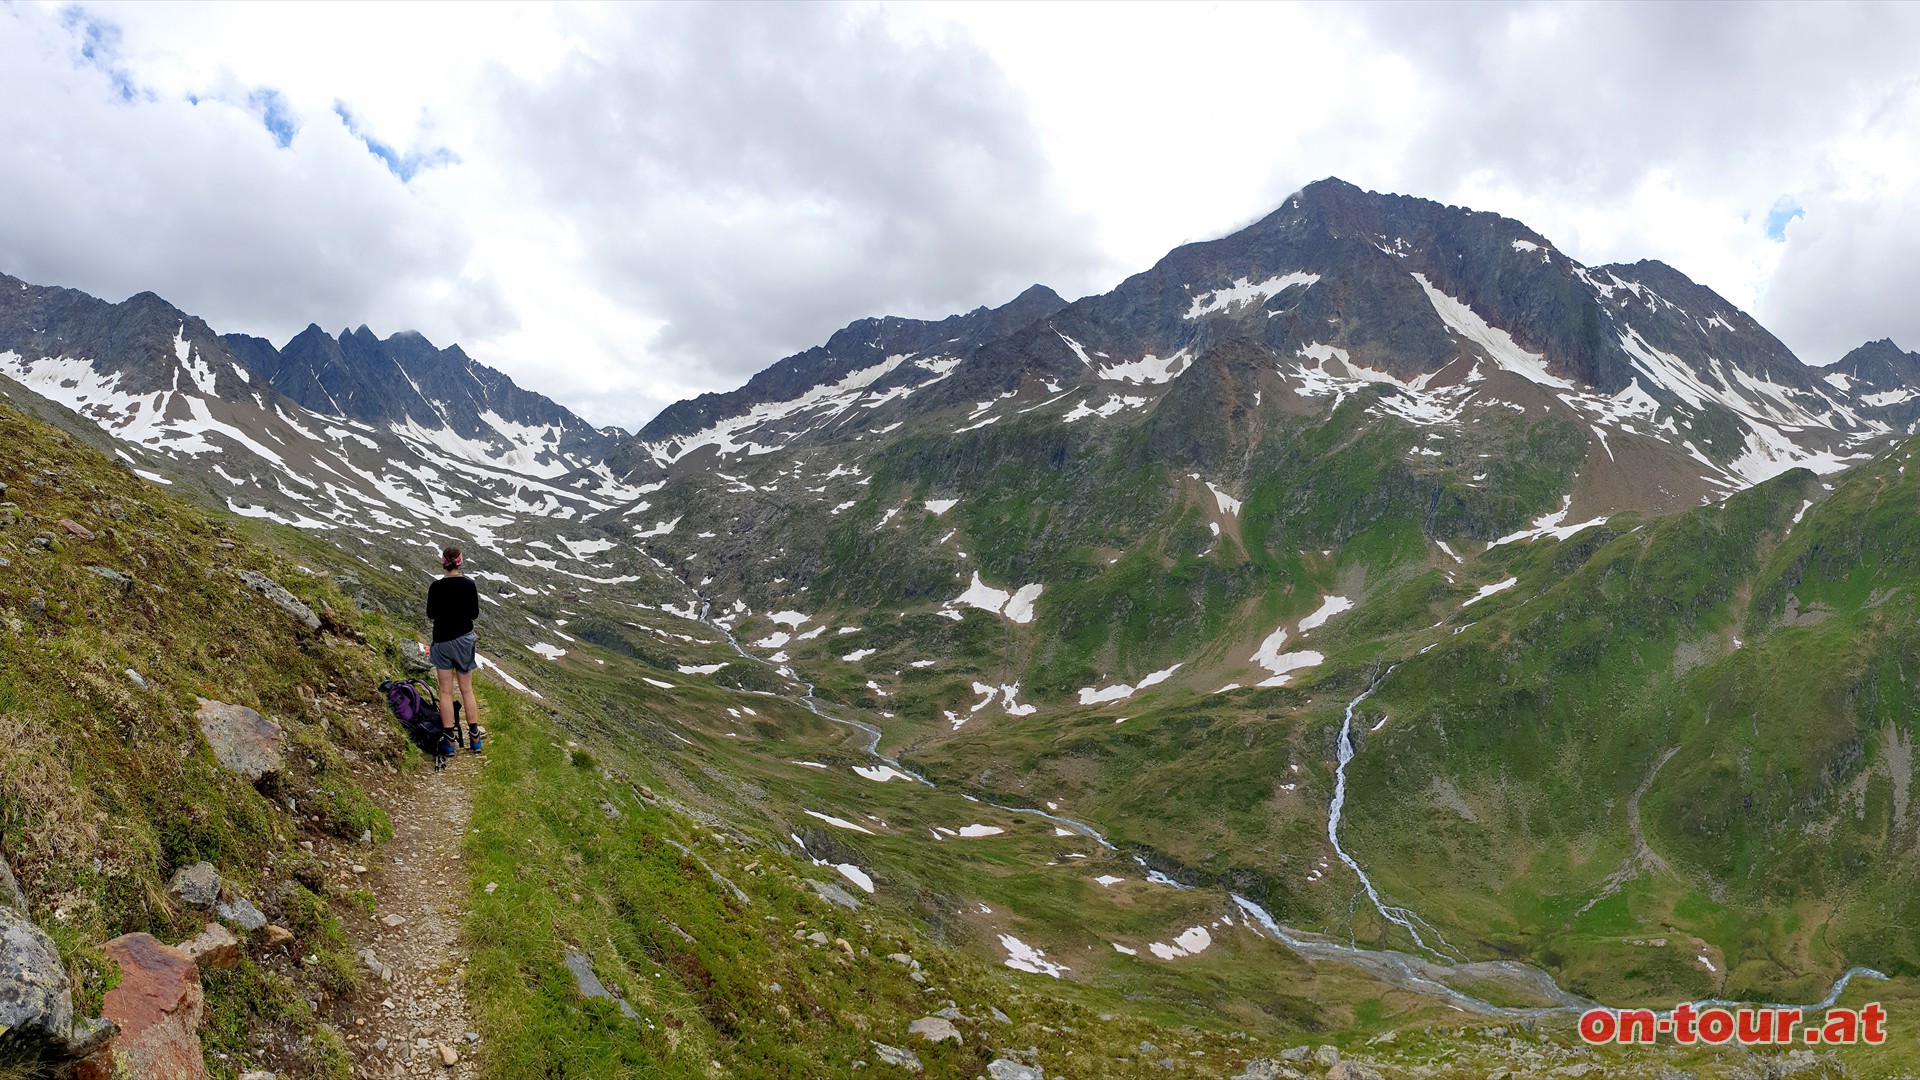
622, 206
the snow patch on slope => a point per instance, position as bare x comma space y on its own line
1243, 292
1497, 343
1331, 606
1090, 695
1149, 370
1016, 606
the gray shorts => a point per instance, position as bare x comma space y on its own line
455, 655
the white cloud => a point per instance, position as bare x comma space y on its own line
117, 190
623, 205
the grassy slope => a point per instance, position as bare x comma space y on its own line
1541, 722
1782, 808
700, 966
106, 787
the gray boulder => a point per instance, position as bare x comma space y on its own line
935, 1029
280, 598
1009, 1069
834, 894
590, 985
1352, 1070
1269, 1069
241, 913
243, 741
197, 886
1327, 1056
36, 1000
123, 582
414, 662
893, 1055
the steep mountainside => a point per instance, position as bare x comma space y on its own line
1453, 313
864, 360
406, 446
406, 385
1882, 379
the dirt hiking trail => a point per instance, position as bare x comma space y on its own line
411, 1017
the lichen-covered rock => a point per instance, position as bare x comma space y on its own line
590, 985
280, 597
1009, 1069
36, 1000
241, 913
197, 886
935, 1029
157, 1005
243, 741
214, 947
893, 1055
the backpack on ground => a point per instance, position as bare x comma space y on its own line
417, 707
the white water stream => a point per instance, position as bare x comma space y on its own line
1398, 916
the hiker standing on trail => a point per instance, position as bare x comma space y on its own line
453, 602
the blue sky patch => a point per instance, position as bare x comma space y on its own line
99, 48
274, 114
1785, 209
405, 166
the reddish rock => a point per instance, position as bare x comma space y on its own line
243, 741
157, 1006
76, 528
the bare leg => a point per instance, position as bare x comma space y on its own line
466, 698
446, 697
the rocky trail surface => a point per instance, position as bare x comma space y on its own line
411, 1016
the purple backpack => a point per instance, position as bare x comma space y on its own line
417, 708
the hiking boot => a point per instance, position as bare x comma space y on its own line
474, 737
449, 743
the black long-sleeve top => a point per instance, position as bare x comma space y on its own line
452, 603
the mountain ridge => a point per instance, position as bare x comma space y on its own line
839, 355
